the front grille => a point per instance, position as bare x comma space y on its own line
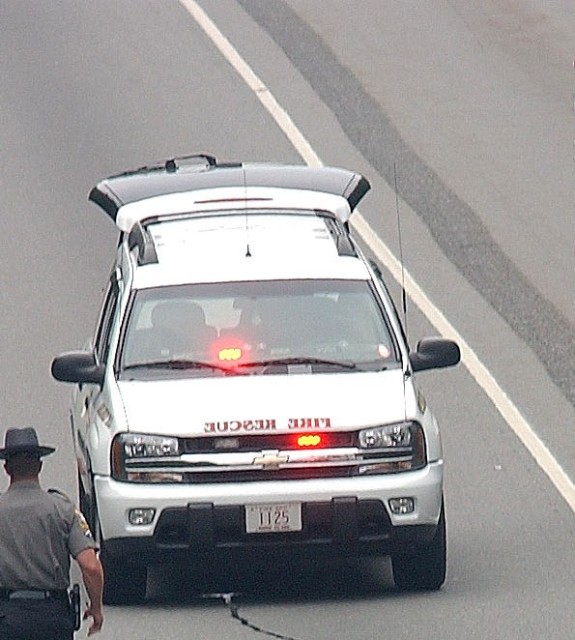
207, 477
265, 457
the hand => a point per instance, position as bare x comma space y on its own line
97, 619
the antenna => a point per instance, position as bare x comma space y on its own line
403, 293
248, 252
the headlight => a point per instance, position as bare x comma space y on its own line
391, 448
129, 449
390, 435
143, 446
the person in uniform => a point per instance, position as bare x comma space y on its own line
39, 532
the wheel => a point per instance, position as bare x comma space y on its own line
425, 570
124, 582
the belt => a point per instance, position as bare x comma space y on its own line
32, 594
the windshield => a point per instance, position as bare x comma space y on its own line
251, 328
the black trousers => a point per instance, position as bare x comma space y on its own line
35, 620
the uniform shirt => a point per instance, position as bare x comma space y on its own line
39, 531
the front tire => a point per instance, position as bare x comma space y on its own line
124, 582
425, 570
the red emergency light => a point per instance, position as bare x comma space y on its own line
309, 440
229, 351
230, 354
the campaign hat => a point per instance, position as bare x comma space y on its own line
23, 441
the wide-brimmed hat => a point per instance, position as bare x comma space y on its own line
23, 441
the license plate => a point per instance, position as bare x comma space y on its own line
273, 518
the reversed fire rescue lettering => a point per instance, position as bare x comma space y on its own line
230, 426
309, 423
267, 424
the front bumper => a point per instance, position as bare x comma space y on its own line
348, 516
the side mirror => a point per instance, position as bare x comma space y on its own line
435, 353
79, 367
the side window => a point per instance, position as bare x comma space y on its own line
106, 321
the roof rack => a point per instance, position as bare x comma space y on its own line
140, 238
340, 236
345, 246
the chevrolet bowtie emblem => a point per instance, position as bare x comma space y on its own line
270, 460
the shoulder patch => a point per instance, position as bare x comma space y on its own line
83, 523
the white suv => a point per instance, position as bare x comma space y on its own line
249, 391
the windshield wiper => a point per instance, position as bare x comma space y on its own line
179, 364
344, 364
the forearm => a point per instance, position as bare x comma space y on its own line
93, 576
94, 583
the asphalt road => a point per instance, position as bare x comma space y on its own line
466, 106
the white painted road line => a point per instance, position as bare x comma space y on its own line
477, 369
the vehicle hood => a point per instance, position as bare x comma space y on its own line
245, 404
